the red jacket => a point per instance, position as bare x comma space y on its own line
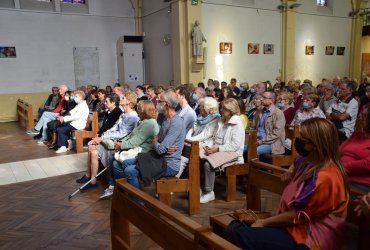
355, 154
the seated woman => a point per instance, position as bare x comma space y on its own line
142, 136
112, 113
53, 125
257, 101
203, 128
285, 104
313, 206
76, 119
228, 137
355, 153
309, 109
100, 106
122, 128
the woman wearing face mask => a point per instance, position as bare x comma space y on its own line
53, 125
124, 125
76, 119
285, 104
309, 109
313, 206
257, 101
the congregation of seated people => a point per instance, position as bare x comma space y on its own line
142, 131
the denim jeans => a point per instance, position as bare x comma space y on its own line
132, 174
264, 238
261, 149
117, 170
43, 123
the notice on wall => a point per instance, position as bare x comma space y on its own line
86, 63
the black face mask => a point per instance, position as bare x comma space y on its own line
299, 146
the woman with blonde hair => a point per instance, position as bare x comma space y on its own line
285, 103
228, 137
313, 206
142, 136
122, 128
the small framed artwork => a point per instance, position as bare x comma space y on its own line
340, 51
329, 50
268, 49
8, 52
310, 50
253, 48
226, 48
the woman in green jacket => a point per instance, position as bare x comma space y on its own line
142, 136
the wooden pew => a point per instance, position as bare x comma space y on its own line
167, 227
25, 114
235, 170
90, 131
363, 221
263, 176
284, 160
191, 184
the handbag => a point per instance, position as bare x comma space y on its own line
250, 216
121, 156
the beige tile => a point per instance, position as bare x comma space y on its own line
34, 169
64, 166
20, 171
6, 174
48, 166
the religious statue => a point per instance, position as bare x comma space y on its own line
197, 40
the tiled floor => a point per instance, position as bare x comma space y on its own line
42, 168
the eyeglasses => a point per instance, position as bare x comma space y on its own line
264, 97
281, 99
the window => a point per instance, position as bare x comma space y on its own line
74, 1
322, 2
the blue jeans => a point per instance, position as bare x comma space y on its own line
43, 123
132, 174
264, 238
261, 149
117, 170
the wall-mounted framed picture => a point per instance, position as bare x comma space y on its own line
253, 48
226, 48
268, 49
340, 51
7, 52
310, 50
329, 50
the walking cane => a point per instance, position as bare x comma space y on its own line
87, 183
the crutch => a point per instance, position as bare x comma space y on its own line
87, 183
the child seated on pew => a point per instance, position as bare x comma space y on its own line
313, 206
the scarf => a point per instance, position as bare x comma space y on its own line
203, 121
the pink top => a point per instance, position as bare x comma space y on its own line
325, 212
355, 153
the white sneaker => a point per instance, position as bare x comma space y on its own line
41, 142
205, 198
70, 144
107, 193
62, 149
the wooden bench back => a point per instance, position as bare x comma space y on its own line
90, 131
167, 227
263, 176
25, 114
191, 184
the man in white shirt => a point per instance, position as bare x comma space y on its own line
343, 113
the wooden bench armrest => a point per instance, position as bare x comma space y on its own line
263, 165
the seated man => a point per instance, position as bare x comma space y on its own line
172, 133
343, 113
270, 125
49, 116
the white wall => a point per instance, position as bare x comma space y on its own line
255, 22
321, 28
44, 44
158, 56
